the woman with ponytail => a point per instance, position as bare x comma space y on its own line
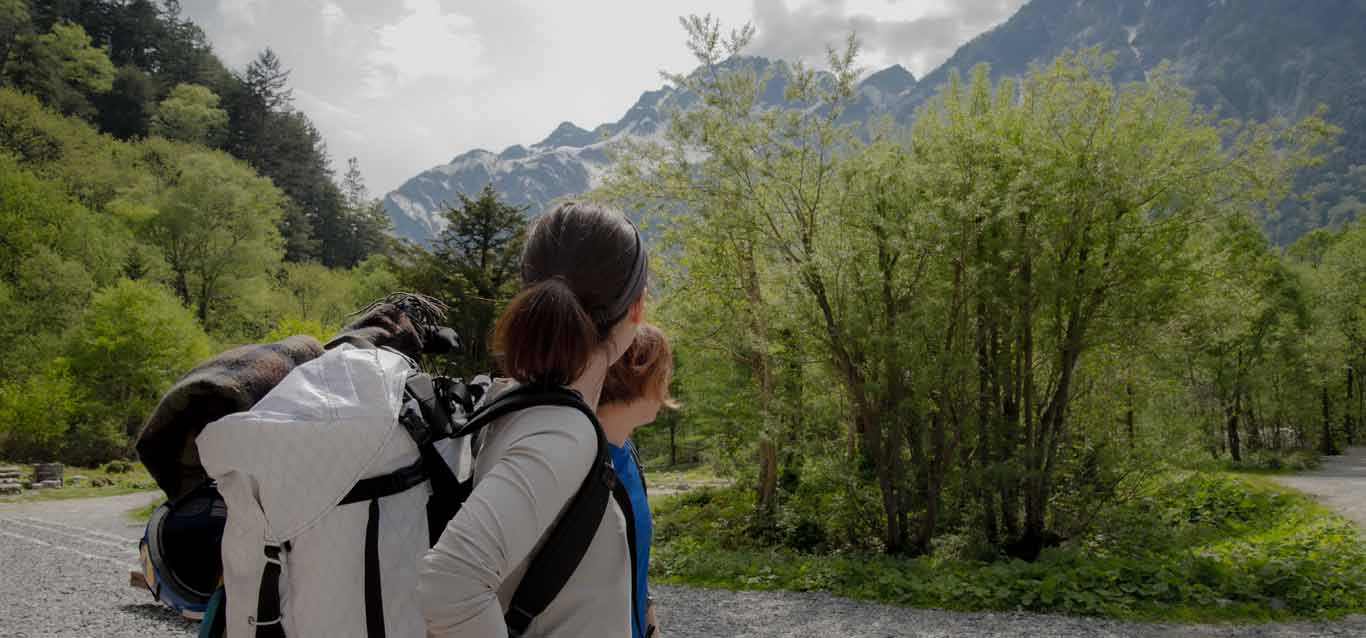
582, 300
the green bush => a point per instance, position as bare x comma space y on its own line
1191, 546
132, 342
35, 413
118, 467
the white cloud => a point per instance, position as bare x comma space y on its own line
425, 43
242, 12
408, 85
919, 34
333, 17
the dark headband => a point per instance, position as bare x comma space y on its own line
634, 286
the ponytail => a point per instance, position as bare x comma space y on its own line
545, 335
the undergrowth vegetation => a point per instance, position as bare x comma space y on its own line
1182, 545
111, 479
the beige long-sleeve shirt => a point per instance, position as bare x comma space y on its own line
530, 465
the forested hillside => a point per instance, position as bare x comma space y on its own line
137, 68
155, 208
1255, 61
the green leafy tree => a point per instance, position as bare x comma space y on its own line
480, 251
190, 114
374, 278
958, 283
213, 218
133, 341
362, 228
92, 167
318, 293
126, 109
63, 67
36, 413
54, 253
14, 20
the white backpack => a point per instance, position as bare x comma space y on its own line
327, 518
327, 491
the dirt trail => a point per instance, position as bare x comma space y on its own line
1340, 483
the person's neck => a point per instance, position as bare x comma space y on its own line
616, 424
589, 384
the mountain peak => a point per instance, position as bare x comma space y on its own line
892, 80
568, 134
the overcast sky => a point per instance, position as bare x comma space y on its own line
405, 85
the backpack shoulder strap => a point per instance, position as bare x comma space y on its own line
640, 467
567, 541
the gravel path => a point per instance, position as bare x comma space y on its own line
697, 613
1340, 482
64, 572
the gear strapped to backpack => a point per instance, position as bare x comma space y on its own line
326, 528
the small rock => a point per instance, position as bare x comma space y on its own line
46, 485
77, 480
101, 481
10, 489
1278, 605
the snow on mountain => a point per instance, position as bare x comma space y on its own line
572, 160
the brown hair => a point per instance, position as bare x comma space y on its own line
643, 371
583, 267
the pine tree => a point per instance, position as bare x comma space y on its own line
353, 185
268, 80
474, 268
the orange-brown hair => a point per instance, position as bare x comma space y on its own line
643, 371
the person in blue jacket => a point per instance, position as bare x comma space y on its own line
637, 386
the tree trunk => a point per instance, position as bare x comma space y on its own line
182, 286
1326, 445
1231, 412
204, 303
1129, 414
673, 444
933, 481
1254, 426
1347, 423
762, 368
1032, 452
986, 411
768, 474
1009, 440
921, 471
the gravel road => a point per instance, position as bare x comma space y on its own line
64, 572
1340, 482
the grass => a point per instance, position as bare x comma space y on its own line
144, 513
135, 480
1196, 546
1267, 463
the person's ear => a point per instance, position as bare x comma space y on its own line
637, 314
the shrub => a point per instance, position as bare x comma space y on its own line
1206, 546
118, 467
132, 342
35, 413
